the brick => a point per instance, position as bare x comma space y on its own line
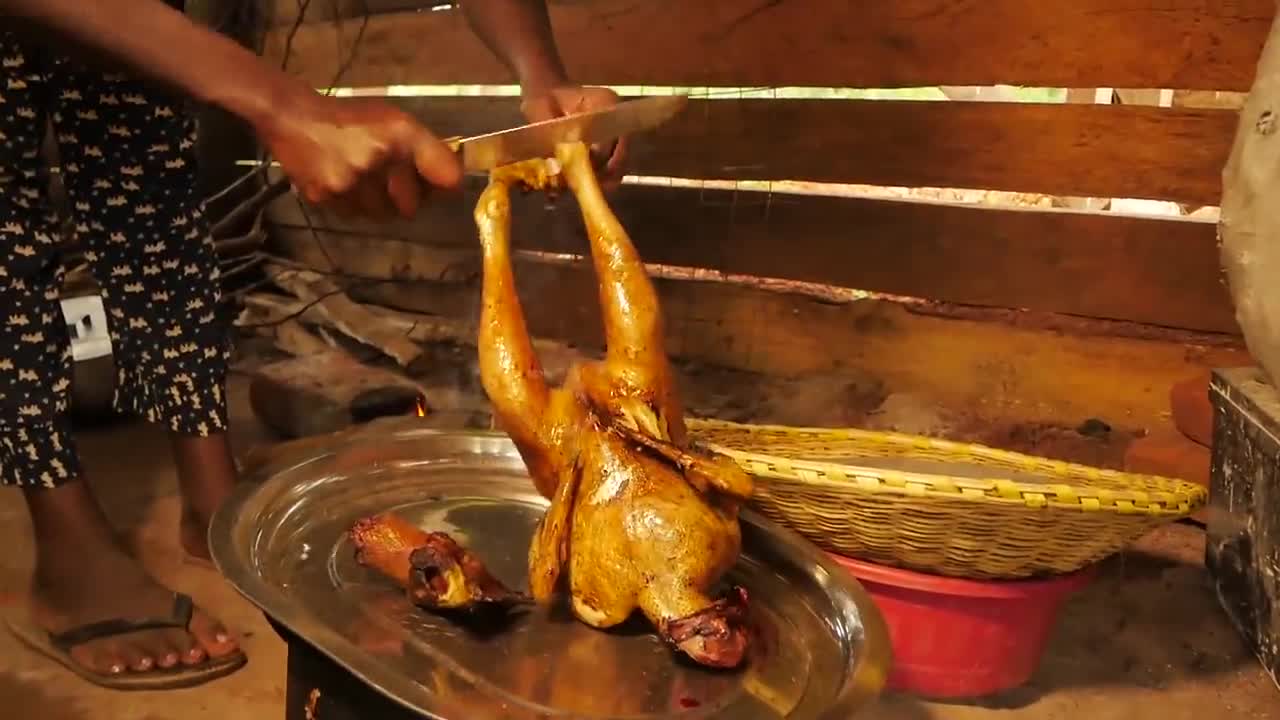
326, 392
1169, 454
1192, 413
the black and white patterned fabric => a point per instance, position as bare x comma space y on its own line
127, 153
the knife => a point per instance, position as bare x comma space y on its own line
482, 153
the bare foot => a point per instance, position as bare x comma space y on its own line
84, 575
112, 585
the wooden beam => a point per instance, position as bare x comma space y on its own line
1157, 271
1186, 44
285, 12
1066, 149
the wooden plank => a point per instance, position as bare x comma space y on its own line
1189, 44
1209, 99
1067, 149
1154, 97
1156, 271
990, 369
285, 12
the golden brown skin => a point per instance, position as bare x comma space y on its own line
638, 520
385, 542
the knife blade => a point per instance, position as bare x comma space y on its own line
482, 153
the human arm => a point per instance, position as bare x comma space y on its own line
146, 36
367, 156
519, 33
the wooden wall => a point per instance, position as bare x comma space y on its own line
1156, 271
1183, 44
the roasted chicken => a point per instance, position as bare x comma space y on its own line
639, 518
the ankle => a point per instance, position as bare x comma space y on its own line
51, 572
68, 524
193, 535
79, 562
206, 471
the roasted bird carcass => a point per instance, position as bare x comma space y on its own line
639, 519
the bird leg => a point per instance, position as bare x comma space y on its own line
513, 378
509, 367
634, 386
636, 360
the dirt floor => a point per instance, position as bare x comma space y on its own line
1145, 641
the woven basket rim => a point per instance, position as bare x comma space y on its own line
1146, 494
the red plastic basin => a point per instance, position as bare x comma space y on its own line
963, 638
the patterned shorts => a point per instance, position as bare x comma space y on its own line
127, 153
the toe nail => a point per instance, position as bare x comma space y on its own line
117, 669
222, 637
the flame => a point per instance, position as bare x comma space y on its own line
421, 406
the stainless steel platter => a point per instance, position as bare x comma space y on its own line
821, 648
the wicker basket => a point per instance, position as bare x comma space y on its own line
943, 507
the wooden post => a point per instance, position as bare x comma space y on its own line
223, 138
1249, 227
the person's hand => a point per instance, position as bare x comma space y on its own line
554, 102
362, 157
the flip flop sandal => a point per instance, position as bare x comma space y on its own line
57, 646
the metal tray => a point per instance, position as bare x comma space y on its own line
821, 649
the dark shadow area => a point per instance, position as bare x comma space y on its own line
894, 706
